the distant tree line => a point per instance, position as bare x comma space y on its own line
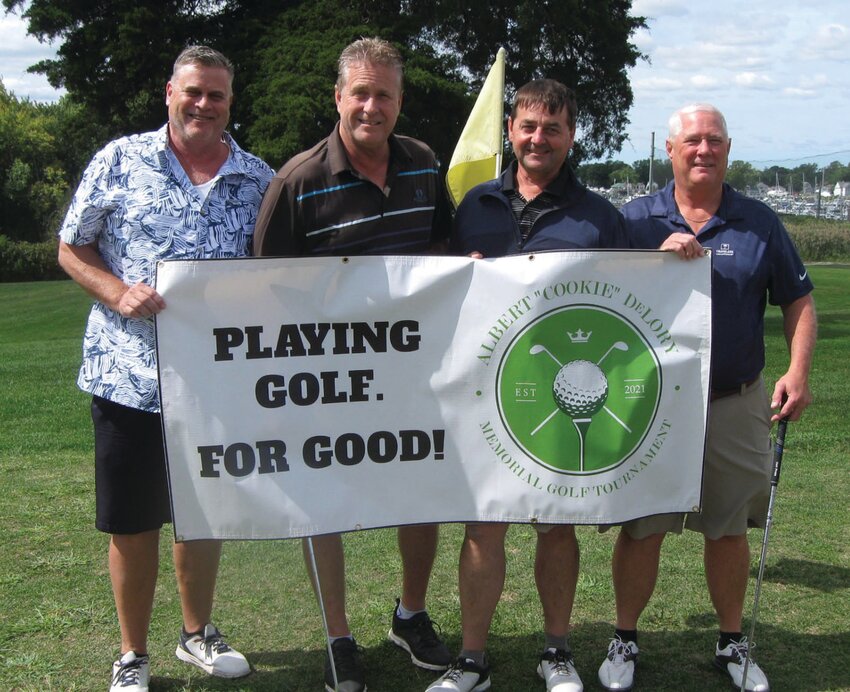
115, 57
740, 174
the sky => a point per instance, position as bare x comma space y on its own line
778, 69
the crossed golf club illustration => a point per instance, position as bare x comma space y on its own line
580, 389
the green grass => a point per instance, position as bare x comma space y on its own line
58, 630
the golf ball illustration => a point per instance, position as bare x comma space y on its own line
580, 389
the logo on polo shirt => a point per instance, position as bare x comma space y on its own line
725, 250
419, 196
578, 389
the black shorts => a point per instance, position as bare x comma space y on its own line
131, 483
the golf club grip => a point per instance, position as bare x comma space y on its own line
778, 448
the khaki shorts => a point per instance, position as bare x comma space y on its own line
736, 477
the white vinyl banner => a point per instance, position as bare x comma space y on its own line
313, 395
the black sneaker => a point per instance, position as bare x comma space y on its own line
463, 676
418, 638
349, 670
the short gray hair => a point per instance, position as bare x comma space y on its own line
372, 50
675, 122
202, 55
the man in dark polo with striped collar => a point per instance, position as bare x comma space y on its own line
364, 191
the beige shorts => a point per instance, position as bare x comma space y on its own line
736, 477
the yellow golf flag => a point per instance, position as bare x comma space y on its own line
478, 154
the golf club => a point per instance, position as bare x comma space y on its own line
538, 348
774, 481
619, 345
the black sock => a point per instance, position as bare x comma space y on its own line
627, 635
477, 657
727, 637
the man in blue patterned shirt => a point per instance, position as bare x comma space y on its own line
184, 191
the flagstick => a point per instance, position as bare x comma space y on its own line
322, 608
501, 129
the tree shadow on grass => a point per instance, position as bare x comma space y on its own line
680, 660
282, 670
793, 660
814, 575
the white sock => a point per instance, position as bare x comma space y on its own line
405, 614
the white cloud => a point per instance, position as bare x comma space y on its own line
753, 80
659, 8
753, 29
798, 92
690, 58
17, 52
829, 42
701, 81
656, 84
781, 57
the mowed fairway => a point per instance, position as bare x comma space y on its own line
58, 630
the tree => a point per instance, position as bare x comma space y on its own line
625, 174
34, 160
583, 43
662, 171
291, 99
835, 173
741, 175
114, 58
113, 55
597, 174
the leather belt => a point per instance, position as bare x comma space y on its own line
739, 390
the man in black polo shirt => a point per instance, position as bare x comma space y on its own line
364, 190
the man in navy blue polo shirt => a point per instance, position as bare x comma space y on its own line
754, 261
536, 204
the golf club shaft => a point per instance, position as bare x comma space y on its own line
778, 449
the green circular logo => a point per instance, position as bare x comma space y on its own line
578, 389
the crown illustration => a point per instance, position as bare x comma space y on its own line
580, 337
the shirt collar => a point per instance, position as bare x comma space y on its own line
730, 205
564, 187
339, 163
234, 163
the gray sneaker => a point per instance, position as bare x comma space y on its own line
130, 673
556, 667
211, 653
463, 676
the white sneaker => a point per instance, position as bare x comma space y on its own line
462, 676
211, 653
617, 671
557, 669
130, 673
732, 660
